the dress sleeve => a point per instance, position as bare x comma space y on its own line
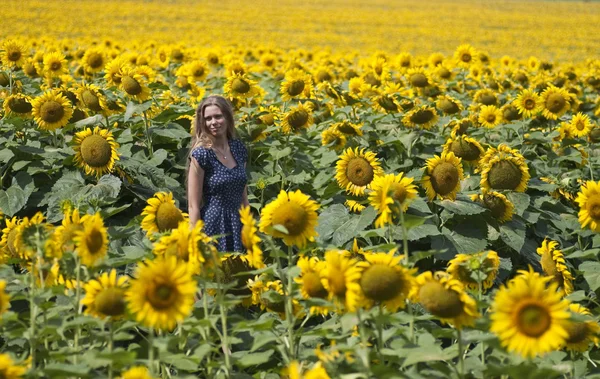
242, 151
201, 155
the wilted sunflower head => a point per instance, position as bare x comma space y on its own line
505, 173
422, 116
443, 176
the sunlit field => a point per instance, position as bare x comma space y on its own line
422, 177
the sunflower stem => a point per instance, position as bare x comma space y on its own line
404, 238
363, 341
480, 299
411, 323
289, 305
110, 348
224, 341
379, 322
151, 351
77, 301
461, 359
32, 315
590, 162
148, 136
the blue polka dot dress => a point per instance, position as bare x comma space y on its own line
222, 195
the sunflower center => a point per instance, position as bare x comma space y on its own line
491, 118
96, 151
511, 113
399, 192
162, 296
465, 150
94, 241
337, 282
167, 217
91, 100
30, 69
580, 125
198, 72
444, 178
293, 216
359, 172
555, 102
267, 119
346, 128
130, 85
466, 57
381, 282
52, 111
95, 60
578, 332
14, 55
488, 99
505, 175
529, 104
444, 73
387, 103
495, 205
419, 80
312, 285
449, 106
594, 209
110, 302
240, 85
296, 88
533, 320
19, 105
422, 116
440, 301
55, 66
298, 118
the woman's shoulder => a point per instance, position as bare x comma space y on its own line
200, 150
238, 144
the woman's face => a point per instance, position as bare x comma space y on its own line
216, 124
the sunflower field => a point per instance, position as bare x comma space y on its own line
424, 186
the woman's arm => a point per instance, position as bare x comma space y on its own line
245, 202
194, 190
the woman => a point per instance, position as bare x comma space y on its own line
217, 180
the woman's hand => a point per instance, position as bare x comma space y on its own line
194, 190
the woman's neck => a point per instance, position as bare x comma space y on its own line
220, 143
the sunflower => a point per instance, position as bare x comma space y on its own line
177, 244
529, 316
105, 296
31, 68
51, 110
418, 77
296, 212
5, 298
240, 86
310, 282
26, 235
95, 151
588, 200
294, 371
554, 265
18, 104
501, 208
580, 125
389, 191
63, 234
422, 116
92, 240
445, 298
161, 293
581, 333
196, 71
14, 53
556, 102
466, 55
385, 281
356, 170
463, 267
9, 233
348, 128
529, 103
386, 103
296, 85
510, 113
354, 206
136, 372
94, 60
114, 70
333, 138
490, 116
297, 118
341, 277
250, 240
161, 214
466, 148
448, 105
54, 65
505, 172
442, 176
134, 84
8, 368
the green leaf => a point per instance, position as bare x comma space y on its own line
354, 226
421, 231
520, 201
12, 200
591, 273
182, 362
461, 207
136, 108
278, 153
330, 220
513, 234
60, 370
254, 359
